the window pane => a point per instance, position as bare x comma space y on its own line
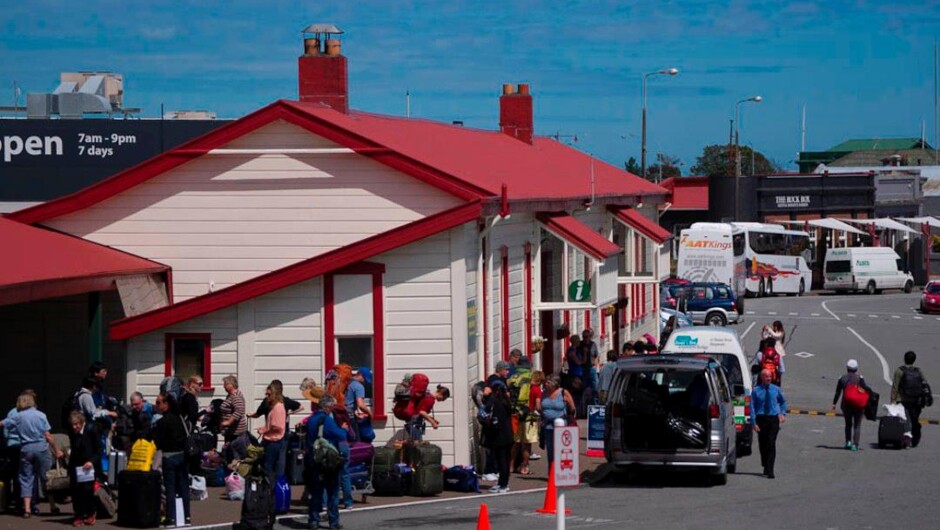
620, 239
551, 250
188, 358
644, 266
356, 352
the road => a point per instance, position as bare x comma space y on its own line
819, 484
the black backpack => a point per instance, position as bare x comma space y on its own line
258, 504
70, 404
912, 383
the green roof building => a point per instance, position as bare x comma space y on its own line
881, 148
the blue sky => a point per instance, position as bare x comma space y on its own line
863, 69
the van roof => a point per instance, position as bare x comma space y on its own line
672, 361
704, 339
845, 252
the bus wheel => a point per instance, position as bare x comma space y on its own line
760, 289
770, 287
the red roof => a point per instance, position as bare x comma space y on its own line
687, 193
468, 163
579, 234
296, 273
640, 223
40, 263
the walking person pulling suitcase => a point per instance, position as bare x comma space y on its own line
910, 388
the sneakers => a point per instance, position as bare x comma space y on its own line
535, 456
854, 448
848, 444
490, 477
497, 489
504, 490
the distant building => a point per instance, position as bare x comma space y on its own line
869, 152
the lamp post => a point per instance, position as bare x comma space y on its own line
667, 71
737, 155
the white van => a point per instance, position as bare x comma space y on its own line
723, 345
865, 268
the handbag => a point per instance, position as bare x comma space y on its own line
191, 446
57, 478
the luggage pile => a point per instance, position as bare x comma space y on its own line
413, 469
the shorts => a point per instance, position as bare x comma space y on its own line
528, 431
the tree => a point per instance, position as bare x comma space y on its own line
717, 160
666, 166
632, 167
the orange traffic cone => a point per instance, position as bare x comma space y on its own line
550, 505
483, 520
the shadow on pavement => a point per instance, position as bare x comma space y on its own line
609, 476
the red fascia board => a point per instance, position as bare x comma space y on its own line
641, 224
279, 110
296, 273
578, 234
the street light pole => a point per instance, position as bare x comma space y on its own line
737, 154
667, 71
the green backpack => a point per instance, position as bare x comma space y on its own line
325, 455
519, 386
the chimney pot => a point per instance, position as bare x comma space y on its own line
311, 46
333, 47
507, 89
523, 89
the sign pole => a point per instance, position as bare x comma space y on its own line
560, 514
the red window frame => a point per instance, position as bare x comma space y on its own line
377, 270
527, 340
206, 338
504, 301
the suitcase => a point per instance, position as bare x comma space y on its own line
139, 503
424, 454
891, 431
281, 496
295, 467
359, 476
361, 453
427, 481
394, 482
117, 462
385, 459
871, 409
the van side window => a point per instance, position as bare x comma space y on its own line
835, 267
722, 385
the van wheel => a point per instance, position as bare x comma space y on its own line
870, 288
733, 463
716, 319
802, 290
908, 287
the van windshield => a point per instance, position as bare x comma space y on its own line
838, 266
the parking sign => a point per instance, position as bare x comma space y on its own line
566, 465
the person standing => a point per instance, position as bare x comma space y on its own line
497, 436
234, 422
189, 402
273, 431
606, 376
85, 443
911, 389
35, 440
141, 417
556, 403
627, 350
356, 404
322, 483
775, 331
768, 412
169, 434
768, 358
850, 387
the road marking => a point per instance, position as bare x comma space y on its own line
794, 314
872, 316
831, 414
804, 354
895, 316
814, 314
830, 312
774, 313
748, 329
918, 318
750, 313
850, 315
884, 362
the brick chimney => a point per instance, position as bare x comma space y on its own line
322, 72
515, 112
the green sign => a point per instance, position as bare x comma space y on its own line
579, 291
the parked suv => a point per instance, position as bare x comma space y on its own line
711, 303
671, 410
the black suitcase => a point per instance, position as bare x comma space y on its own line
258, 505
424, 454
891, 432
871, 409
139, 502
427, 481
295, 467
395, 482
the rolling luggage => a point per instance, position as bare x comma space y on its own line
871, 409
359, 476
424, 454
258, 505
891, 432
361, 453
117, 462
427, 481
139, 503
295, 466
385, 458
393, 482
281, 495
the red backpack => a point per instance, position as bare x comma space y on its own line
419, 386
770, 360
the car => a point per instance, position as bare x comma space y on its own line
723, 345
671, 411
930, 298
710, 303
665, 314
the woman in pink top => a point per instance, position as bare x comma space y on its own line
273, 431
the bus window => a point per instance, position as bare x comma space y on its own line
737, 241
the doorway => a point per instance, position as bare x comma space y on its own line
547, 330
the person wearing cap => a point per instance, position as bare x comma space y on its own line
852, 414
768, 412
320, 482
356, 397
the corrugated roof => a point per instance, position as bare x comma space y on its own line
876, 157
579, 234
879, 143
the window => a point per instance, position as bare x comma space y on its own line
639, 253
189, 354
737, 242
356, 352
722, 292
834, 267
703, 293
561, 264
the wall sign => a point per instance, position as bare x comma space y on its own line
579, 291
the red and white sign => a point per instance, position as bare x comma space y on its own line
566, 465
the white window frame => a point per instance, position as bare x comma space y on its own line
651, 248
569, 250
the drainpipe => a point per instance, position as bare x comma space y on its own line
487, 326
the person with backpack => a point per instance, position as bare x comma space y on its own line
911, 389
498, 437
189, 401
768, 358
520, 389
423, 413
855, 394
169, 435
323, 460
355, 401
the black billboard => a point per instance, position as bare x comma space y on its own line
45, 159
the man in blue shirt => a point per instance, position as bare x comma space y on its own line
768, 411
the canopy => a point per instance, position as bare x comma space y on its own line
890, 224
831, 224
932, 221
578, 234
